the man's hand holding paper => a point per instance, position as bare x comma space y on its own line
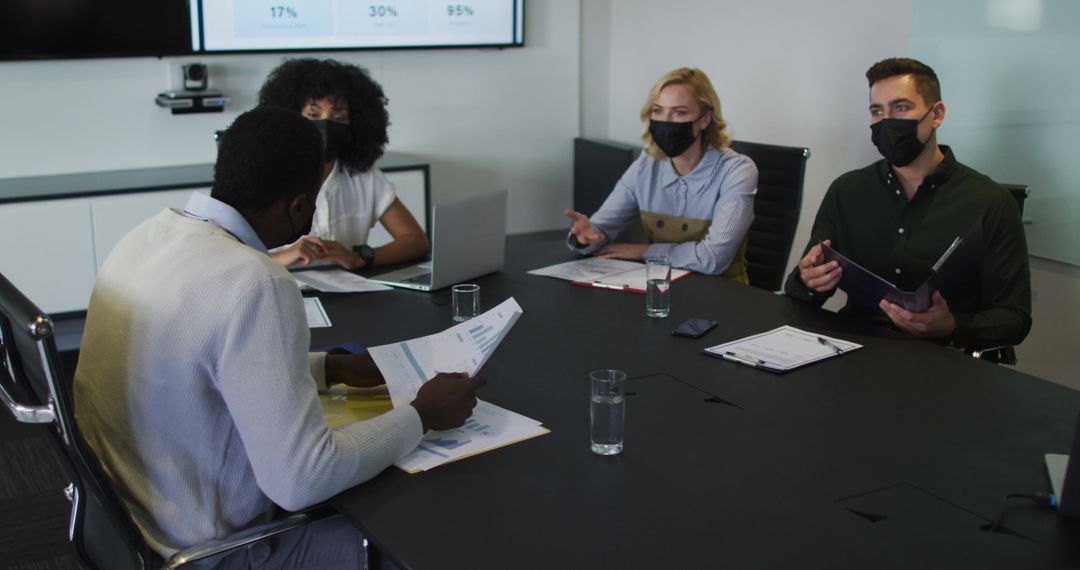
817, 274
447, 400
935, 322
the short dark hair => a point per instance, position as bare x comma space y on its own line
295, 82
926, 81
267, 154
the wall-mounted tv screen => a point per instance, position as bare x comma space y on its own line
272, 25
60, 29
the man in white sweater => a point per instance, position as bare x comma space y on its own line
194, 386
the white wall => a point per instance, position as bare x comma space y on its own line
788, 73
1052, 350
485, 119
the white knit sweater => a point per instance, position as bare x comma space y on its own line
195, 390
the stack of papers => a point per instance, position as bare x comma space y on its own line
464, 347
605, 273
781, 349
336, 281
490, 427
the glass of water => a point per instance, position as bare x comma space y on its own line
658, 287
607, 411
466, 301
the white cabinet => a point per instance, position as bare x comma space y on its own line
114, 216
47, 252
53, 249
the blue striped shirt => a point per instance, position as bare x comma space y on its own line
720, 189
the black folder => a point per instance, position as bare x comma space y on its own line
953, 269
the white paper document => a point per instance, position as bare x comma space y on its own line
489, 427
316, 314
337, 281
464, 347
782, 349
603, 273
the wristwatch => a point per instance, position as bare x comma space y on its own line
366, 253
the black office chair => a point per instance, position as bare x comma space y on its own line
1020, 193
1005, 354
781, 171
100, 527
598, 165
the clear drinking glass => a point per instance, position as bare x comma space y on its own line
466, 301
607, 411
658, 287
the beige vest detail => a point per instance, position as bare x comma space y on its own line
661, 228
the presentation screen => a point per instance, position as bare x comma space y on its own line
283, 25
60, 29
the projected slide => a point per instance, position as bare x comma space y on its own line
405, 17
241, 25
262, 19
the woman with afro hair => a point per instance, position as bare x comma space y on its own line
349, 109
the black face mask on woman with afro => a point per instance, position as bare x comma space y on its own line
335, 135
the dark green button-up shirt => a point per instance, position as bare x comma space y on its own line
868, 219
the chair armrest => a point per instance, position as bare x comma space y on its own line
243, 538
997, 355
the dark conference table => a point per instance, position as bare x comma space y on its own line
894, 455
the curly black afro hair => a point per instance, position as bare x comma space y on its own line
267, 154
297, 81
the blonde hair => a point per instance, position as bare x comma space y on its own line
715, 134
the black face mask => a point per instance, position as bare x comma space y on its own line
335, 135
673, 138
898, 139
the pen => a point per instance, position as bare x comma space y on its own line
603, 285
941, 260
826, 342
755, 362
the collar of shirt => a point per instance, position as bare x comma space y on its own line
225, 217
935, 179
698, 178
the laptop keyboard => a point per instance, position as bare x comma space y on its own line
422, 278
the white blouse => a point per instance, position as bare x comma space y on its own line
349, 205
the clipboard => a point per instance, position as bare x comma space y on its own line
782, 349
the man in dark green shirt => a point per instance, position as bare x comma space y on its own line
897, 216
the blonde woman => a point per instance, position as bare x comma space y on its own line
693, 195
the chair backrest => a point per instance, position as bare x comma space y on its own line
598, 165
100, 527
1019, 193
781, 171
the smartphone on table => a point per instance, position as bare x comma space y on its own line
694, 328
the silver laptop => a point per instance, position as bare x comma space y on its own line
468, 239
